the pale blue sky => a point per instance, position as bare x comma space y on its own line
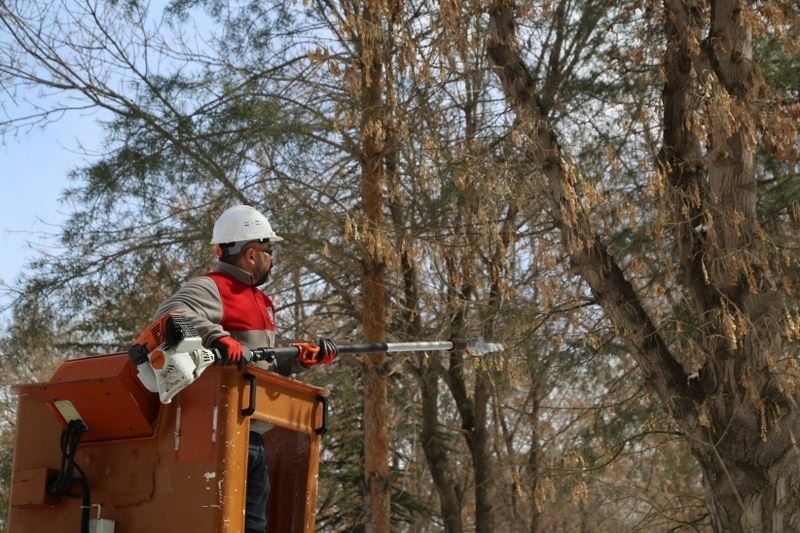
33, 174
34, 166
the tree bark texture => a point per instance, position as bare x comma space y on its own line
738, 412
436, 453
478, 441
376, 414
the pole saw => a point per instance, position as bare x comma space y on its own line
169, 355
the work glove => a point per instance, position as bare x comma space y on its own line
310, 354
230, 350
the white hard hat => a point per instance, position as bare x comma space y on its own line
242, 223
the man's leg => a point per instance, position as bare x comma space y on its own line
257, 486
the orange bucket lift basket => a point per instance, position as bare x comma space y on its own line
165, 468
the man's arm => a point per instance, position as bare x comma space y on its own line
199, 301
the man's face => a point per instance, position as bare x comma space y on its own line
263, 263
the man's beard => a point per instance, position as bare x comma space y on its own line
263, 279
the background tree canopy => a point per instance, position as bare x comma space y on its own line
609, 188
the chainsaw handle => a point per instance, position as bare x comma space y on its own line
271, 355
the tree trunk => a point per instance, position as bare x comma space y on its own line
478, 441
436, 453
376, 442
473, 410
534, 459
376, 432
752, 486
745, 442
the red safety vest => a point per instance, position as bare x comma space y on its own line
244, 307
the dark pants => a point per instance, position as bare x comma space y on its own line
257, 486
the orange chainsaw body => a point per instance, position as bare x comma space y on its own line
165, 468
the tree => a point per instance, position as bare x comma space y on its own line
737, 409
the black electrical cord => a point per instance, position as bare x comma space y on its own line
86, 505
70, 438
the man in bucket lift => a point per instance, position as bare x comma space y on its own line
232, 314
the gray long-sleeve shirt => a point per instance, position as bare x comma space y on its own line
200, 301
